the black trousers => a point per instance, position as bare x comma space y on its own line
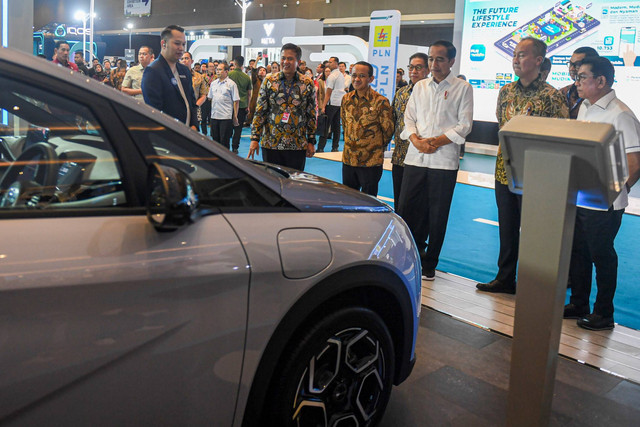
425, 201
333, 121
509, 212
237, 130
221, 131
205, 108
593, 238
295, 159
396, 175
365, 178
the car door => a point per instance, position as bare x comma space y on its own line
103, 319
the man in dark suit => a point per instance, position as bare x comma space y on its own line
166, 84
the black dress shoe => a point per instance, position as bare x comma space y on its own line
429, 274
572, 311
497, 286
595, 322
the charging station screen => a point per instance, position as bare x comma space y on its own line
492, 29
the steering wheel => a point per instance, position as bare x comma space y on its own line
38, 165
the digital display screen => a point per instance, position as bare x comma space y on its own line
491, 29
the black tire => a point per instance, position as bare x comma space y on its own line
338, 372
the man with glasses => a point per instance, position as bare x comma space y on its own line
418, 70
438, 117
596, 230
368, 126
570, 92
529, 96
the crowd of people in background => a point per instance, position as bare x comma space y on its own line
289, 107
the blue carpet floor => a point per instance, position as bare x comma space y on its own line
471, 248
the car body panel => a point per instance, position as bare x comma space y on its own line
119, 305
384, 239
107, 321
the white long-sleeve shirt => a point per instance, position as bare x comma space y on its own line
609, 109
435, 109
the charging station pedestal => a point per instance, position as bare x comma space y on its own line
555, 164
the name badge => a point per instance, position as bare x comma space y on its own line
285, 117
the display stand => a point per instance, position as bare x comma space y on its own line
558, 163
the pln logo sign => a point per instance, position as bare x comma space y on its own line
383, 36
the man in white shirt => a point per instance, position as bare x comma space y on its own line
332, 103
132, 83
225, 100
437, 119
596, 230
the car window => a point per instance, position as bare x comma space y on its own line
53, 153
218, 184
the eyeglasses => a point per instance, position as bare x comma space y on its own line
576, 64
581, 77
416, 67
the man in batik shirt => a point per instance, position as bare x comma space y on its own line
570, 92
529, 96
418, 70
367, 120
284, 123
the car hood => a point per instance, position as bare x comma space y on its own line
312, 193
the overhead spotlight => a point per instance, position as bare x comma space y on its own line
298, 2
261, 5
285, 5
192, 33
328, 1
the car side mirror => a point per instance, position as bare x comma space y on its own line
171, 199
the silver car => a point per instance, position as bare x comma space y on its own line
150, 277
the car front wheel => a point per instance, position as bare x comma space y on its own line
339, 373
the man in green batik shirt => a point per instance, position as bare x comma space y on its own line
529, 96
418, 70
245, 88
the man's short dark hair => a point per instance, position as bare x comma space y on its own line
239, 60
293, 47
365, 63
587, 51
252, 60
539, 47
225, 65
187, 53
342, 63
401, 71
420, 55
166, 33
149, 49
335, 58
61, 42
601, 66
451, 49
78, 52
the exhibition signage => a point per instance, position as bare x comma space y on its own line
384, 35
492, 29
137, 7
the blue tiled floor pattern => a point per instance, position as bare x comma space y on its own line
471, 248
